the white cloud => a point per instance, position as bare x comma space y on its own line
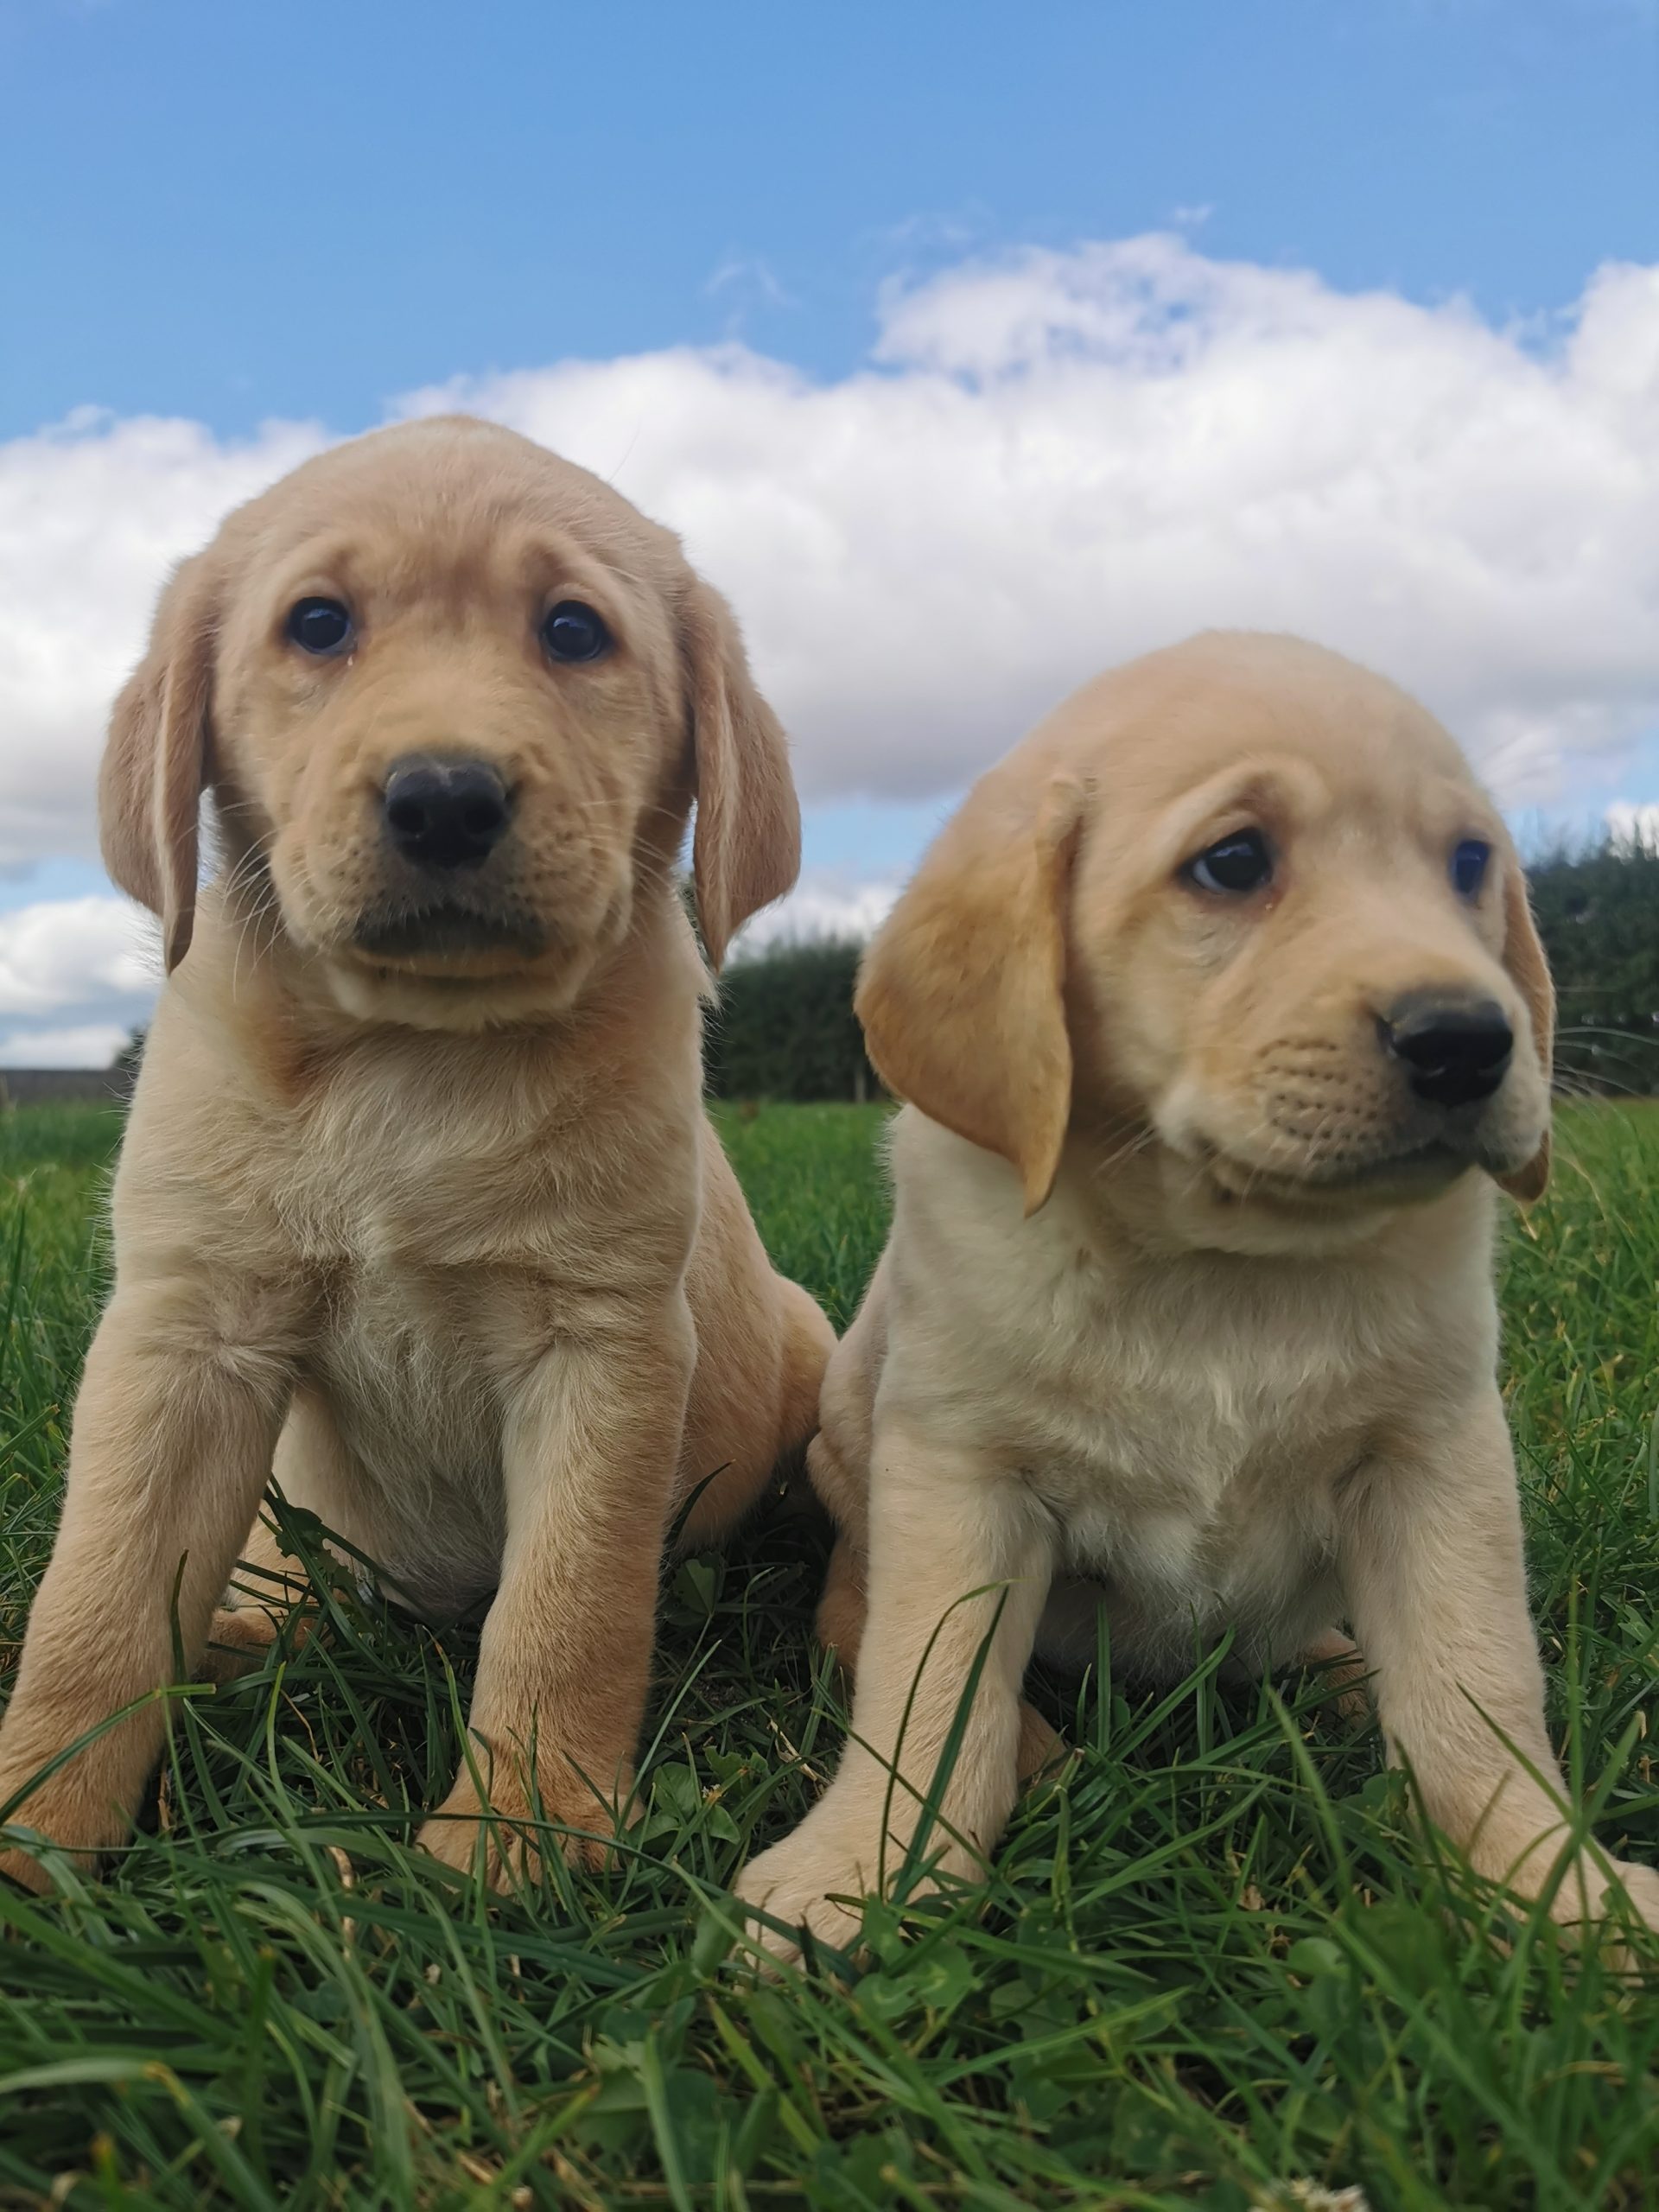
1059, 460
94, 958
67, 951
1050, 461
94, 1046
824, 904
1633, 824
93, 512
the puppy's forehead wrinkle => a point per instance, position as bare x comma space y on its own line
476, 565
448, 517
1238, 704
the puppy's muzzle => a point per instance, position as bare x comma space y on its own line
1454, 1052
444, 818
443, 815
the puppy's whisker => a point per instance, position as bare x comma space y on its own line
1137, 1142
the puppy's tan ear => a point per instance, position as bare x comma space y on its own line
156, 762
962, 995
746, 848
1523, 955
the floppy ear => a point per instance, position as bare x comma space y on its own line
155, 764
961, 994
1523, 955
746, 848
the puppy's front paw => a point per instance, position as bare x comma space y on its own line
1588, 1896
240, 1640
28, 1873
1640, 1885
1340, 1660
505, 1841
815, 1881
66, 1814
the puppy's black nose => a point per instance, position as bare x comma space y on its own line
1455, 1051
445, 813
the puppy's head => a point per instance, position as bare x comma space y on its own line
454, 697
1246, 899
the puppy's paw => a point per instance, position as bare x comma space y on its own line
1626, 1891
1344, 1667
66, 1816
1043, 1751
28, 1873
240, 1639
505, 1841
1640, 1885
815, 1881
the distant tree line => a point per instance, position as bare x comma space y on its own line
1598, 916
784, 1026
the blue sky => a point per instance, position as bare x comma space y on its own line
237, 211
238, 216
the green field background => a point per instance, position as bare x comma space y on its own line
1216, 1967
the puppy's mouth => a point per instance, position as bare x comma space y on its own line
1422, 1172
445, 933
1413, 1175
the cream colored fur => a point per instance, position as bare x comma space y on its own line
446, 1232
1178, 1316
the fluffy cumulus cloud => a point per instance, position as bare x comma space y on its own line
826, 903
93, 514
1063, 459
1049, 461
1633, 824
91, 1045
97, 956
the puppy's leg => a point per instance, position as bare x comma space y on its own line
1431, 1561
1344, 1667
245, 1626
838, 1468
958, 1555
590, 1447
174, 1430
809, 1344
314, 1469
762, 1345
839, 1625
844, 1600
754, 1401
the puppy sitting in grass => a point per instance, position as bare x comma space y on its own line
1219, 1011
417, 1193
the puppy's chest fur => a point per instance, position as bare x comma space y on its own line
447, 1243
1190, 1448
1187, 1421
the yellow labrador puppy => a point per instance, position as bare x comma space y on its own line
417, 1192
1218, 1010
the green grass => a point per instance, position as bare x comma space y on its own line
1216, 1964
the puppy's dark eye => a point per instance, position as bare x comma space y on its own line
1469, 861
573, 632
321, 625
1233, 865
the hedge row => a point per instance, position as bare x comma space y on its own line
785, 1028
1599, 917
